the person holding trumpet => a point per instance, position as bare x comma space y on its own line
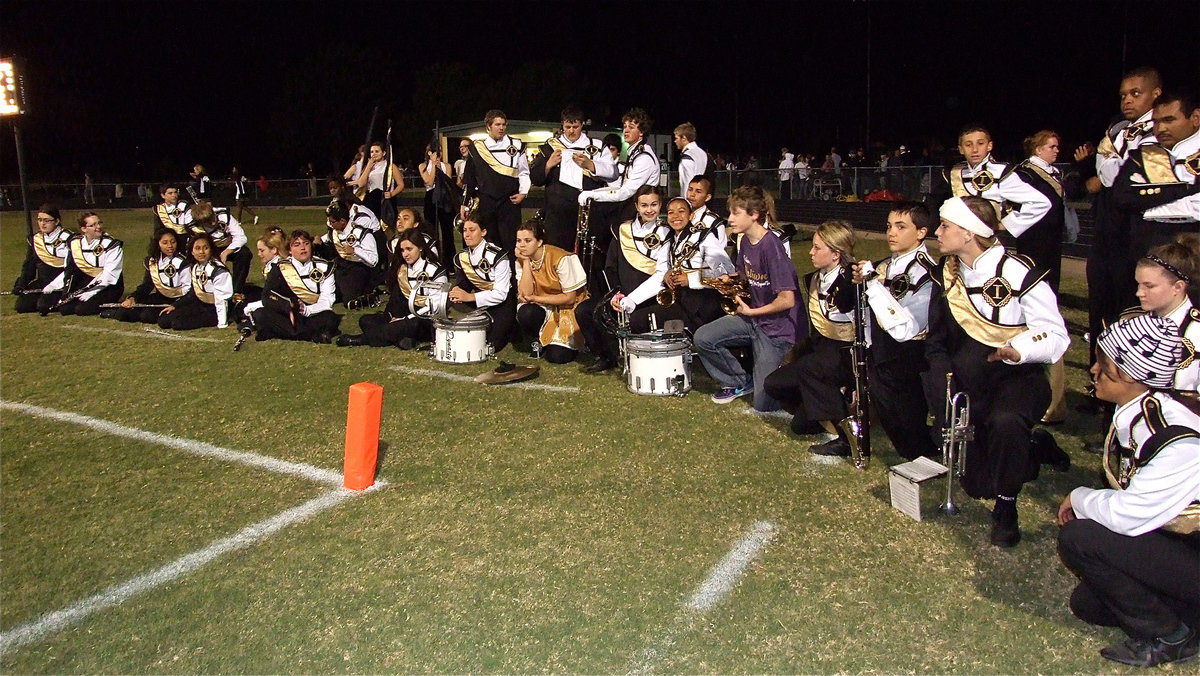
551, 283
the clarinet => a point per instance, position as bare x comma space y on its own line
857, 425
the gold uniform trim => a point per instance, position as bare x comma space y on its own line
1047, 177
163, 289
1158, 165
292, 276
200, 277
496, 165
47, 255
473, 275
976, 326
169, 223
843, 331
560, 326
633, 255
77, 252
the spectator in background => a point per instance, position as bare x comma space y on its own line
786, 164
201, 182
836, 159
803, 172
118, 193
460, 165
262, 183
143, 192
239, 194
89, 190
310, 175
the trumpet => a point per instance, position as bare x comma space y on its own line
731, 289
955, 435
472, 205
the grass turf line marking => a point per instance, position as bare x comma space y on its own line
145, 333
115, 595
470, 379
322, 476
720, 581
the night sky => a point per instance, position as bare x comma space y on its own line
141, 90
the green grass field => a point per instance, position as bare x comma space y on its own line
519, 531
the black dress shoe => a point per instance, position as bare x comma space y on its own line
602, 364
348, 340
836, 447
323, 338
1047, 451
1095, 447
406, 343
1005, 530
1153, 652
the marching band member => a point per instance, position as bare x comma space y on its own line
693, 161
484, 280
208, 291
270, 248
636, 265
298, 296
699, 192
170, 214
551, 283
92, 273
409, 219
45, 260
439, 202
898, 293
227, 236
1158, 182
1135, 547
1165, 276
381, 179
769, 323
810, 386
691, 249
1018, 204
202, 183
498, 174
993, 323
357, 256
641, 169
163, 284
588, 162
360, 215
405, 322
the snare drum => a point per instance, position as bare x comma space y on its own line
658, 366
461, 341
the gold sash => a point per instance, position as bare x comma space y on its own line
162, 289
350, 240
633, 255
555, 144
402, 280
472, 274
199, 279
497, 166
1159, 166
958, 187
47, 255
292, 276
560, 326
80, 262
1046, 176
976, 326
843, 331
167, 221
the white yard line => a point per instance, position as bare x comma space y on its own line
719, 583
470, 379
323, 476
146, 332
189, 563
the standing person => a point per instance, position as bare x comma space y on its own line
484, 281
172, 212
298, 296
208, 291
898, 292
993, 324
769, 323
201, 183
45, 260
1135, 547
803, 171
498, 174
460, 165
439, 204
163, 284
551, 283
381, 180
89, 190
982, 176
787, 163
227, 236
91, 275
310, 176
810, 386
239, 194
693, 161
615, 203
565, 165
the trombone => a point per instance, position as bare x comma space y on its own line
955, 435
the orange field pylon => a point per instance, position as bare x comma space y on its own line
362, 435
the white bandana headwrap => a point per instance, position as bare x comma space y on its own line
957, 212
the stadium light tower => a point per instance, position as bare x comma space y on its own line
12, 107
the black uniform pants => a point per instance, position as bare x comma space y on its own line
238, 263
189, 313
381, 331
530, 317
561, 221
143, 315
811, 386
898, 397
352, 280
1145, 584
273, 321
442, 220
604, 344
47, 302
500, 217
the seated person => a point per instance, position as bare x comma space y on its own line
208, 293
405, 322
551, 284
691, 249
227, 235
45, 260
1165, 278
409, 219
811, 385
355, 254
485, 281
1134, 546
768, 322
298, 296
163, 284
92, 274
270, 248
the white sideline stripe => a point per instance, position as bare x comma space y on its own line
138, 334
469, 379
201, 448
721, 580
117, 594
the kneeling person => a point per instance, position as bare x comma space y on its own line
551, 284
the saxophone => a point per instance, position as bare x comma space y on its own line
731, 288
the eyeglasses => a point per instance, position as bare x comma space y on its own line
45, 220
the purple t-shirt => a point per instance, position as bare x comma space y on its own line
770, 270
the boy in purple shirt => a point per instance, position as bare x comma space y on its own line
768, 323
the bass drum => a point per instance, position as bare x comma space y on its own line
461, 341
658, 366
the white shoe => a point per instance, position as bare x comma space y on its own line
256, 220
